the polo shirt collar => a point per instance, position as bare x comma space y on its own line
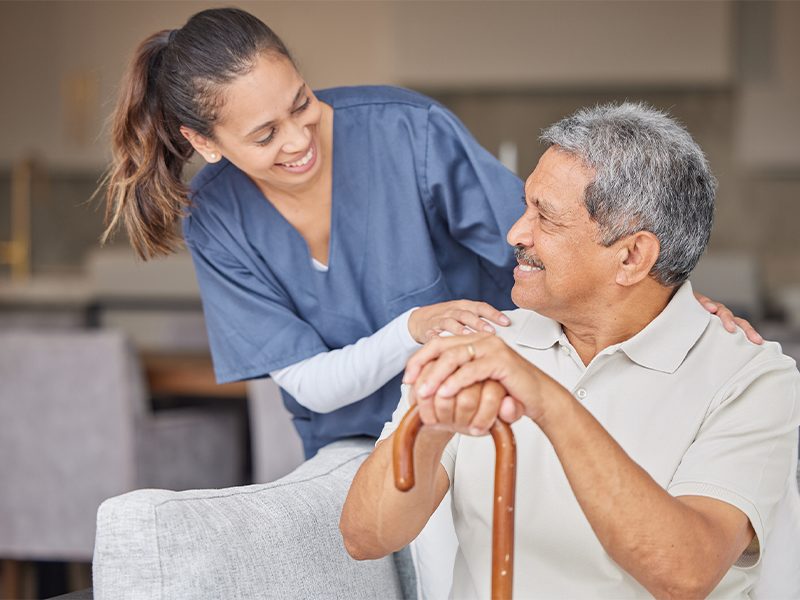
662, 345
667, 339
538, 331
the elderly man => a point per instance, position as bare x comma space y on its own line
654, 448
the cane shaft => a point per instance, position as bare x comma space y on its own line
505, 475
505, 480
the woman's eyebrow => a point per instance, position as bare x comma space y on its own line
273, 121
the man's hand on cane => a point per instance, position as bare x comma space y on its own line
464, 383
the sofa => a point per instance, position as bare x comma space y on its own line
273, 540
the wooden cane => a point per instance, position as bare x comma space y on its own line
505, 476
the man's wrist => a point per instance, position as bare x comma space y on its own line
433, 439
556, 407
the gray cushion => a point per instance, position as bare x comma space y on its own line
275, 540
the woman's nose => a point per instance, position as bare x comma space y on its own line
298, 137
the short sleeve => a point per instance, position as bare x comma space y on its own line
252, 329
468, 187
745, 451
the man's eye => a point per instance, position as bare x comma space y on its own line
539, 216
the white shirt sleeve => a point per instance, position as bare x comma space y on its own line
333, 379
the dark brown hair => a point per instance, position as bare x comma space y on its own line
175, 79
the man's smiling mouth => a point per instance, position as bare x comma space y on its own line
529, 268
526, 261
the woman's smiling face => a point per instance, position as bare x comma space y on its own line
269, 125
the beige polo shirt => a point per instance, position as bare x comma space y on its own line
703, 411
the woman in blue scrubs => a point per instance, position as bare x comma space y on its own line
321, 223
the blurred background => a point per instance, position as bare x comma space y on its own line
72, 312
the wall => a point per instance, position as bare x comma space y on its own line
768, 108
728, 70
58, 45
767, 141
549, 45
72, 53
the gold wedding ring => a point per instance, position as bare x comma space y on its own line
471, 350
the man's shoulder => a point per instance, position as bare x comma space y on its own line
734, 354
734, 371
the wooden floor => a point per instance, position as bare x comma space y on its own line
30, 580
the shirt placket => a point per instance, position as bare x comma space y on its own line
580, 386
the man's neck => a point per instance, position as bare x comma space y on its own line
616, 319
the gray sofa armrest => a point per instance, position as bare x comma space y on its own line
274, 540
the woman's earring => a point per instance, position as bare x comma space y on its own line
213, 156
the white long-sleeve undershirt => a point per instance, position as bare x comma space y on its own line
333, 379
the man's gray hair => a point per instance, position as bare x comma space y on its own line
650, 175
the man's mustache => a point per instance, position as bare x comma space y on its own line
523, 256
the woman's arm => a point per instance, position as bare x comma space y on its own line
336, 378
333, 379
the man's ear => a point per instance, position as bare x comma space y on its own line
636, 256
202, 145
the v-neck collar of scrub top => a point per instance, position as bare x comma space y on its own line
286, 248
662, 345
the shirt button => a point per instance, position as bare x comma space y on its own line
565, 349
581, 393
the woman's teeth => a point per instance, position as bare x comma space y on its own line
303, 161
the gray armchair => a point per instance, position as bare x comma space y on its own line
76, 428
274, 540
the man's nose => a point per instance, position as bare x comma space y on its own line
520, 234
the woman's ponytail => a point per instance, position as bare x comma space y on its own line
175, 79
145, 191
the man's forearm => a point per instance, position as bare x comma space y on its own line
377, 519
664, 543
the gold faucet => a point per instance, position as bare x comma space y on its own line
16, 252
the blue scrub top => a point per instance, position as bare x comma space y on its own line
419, 215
